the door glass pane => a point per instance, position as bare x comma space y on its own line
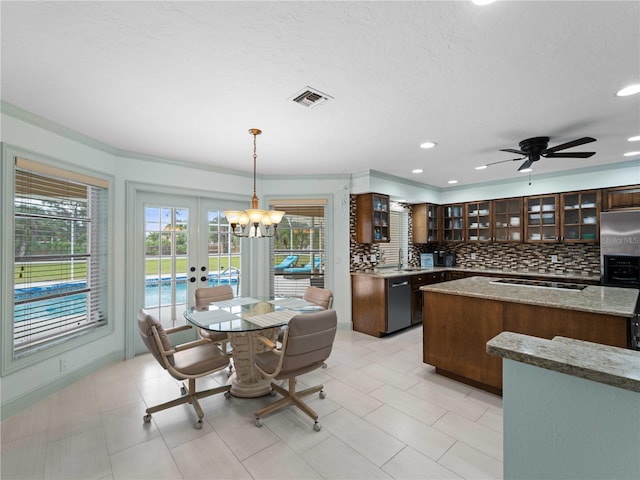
223, 253
166, 252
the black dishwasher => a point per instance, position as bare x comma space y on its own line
398, 303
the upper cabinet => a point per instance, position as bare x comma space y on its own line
541, 219
424, 219
580, 216
623, 197
478, 221
372, 218
507, 220
453, 222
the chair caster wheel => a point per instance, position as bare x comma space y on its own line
272, 393
317, 427
147, 418
322, 394
198, 425
258, 422
183, 390
324, 365
227, 394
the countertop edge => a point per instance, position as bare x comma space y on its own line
391, 272
614, 366
480, 290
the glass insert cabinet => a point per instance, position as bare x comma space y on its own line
542, 223
508, 220
580, 214
372, 218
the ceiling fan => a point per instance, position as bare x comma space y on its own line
534, 148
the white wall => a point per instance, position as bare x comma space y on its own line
132, 173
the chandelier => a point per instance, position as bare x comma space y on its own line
253, 222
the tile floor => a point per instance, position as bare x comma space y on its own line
386, 415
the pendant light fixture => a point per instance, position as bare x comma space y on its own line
253, 222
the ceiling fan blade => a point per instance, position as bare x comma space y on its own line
526, 164
503, 161
573, 143
511, 150
570, 155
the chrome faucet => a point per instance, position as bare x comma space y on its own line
400, 259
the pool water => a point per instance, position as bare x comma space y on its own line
156, 293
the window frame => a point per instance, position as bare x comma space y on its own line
7, 262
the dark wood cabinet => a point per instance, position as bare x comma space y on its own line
541, 219
580, 216
453, 222
417, 300
507, 220
425, 218
478, 221
372, 218
457, 328
622, 197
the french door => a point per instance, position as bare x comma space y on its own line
183, 243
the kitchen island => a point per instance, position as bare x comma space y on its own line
571, 408
460, 316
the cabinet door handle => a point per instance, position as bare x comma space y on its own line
393, 285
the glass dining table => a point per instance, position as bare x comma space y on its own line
244, 319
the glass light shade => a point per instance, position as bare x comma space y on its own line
244, 219
233, 215
266, 221
275, 216
255, 215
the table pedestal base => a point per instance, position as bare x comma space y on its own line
246, 380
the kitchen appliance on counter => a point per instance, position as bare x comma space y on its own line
620, 248
444, 259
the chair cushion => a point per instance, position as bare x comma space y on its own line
200, 359
267, 361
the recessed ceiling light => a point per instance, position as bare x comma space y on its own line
630, 90
482, 2
631, 154
526, 170
417, 170
428, 145
634, 139
452, 181
481, 167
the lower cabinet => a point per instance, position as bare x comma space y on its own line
417, 297
457, 329
380, 305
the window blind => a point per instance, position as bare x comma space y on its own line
399, 238
60, 260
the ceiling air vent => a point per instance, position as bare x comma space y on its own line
310, 97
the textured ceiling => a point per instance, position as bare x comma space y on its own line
186, 80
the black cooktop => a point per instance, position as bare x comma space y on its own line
541, 284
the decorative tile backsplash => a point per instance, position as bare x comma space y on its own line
573, 259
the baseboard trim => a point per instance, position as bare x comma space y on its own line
16, 405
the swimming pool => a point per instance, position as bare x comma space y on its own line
157, 293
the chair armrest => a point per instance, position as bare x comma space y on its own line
177, 329
188, 345
267, 342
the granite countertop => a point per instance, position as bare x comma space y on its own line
595, 299
390, 272
613, 366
